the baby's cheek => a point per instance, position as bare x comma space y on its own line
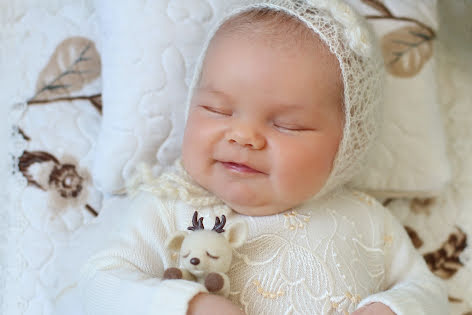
197, 139
302, 171
291, 169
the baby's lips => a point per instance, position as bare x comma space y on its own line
240, 167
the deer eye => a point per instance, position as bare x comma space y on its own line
186, 255
211, 256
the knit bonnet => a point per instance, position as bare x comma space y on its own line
349, 38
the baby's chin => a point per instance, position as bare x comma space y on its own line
257, 210
244, 201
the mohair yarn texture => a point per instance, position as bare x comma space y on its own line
352, 42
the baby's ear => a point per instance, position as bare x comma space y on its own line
174, 242
236, 234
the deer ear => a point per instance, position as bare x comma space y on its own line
174, 242
236, 234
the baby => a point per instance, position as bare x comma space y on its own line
281, 113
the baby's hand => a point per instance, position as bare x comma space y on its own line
210, 304
374, 309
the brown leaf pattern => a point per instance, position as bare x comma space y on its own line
454, 299
422, 205
23, 134
445, 262
406, 50
415, 239
97, 102
74, 63
29, 158
379, 6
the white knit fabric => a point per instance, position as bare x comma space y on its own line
328, 256
353, 43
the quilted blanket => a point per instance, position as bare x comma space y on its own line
57, 218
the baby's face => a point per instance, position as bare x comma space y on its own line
264, 124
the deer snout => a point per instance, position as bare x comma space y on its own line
194, 261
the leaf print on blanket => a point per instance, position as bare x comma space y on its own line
407, 49
422, 205
414, 237
445, 261
379, 6
74, 64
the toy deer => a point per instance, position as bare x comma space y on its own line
205, 256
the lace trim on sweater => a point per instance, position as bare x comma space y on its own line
175, 183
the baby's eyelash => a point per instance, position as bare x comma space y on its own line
186, 255
295, 129
216, 110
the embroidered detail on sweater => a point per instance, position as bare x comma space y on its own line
266, 294
364, 198
294, 220
174, 184
354, 298
388, 240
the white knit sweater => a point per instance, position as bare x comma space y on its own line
328, 256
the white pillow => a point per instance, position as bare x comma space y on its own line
149, 49
410, 158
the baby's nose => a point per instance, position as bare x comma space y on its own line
194, 261
246, 136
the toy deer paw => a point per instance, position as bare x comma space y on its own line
214, 282
172, 273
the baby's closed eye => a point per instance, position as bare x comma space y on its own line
293, 127
218, 110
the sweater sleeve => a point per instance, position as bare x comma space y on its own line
411, 288
126, 278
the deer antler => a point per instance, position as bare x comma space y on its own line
218, 228
197, 224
